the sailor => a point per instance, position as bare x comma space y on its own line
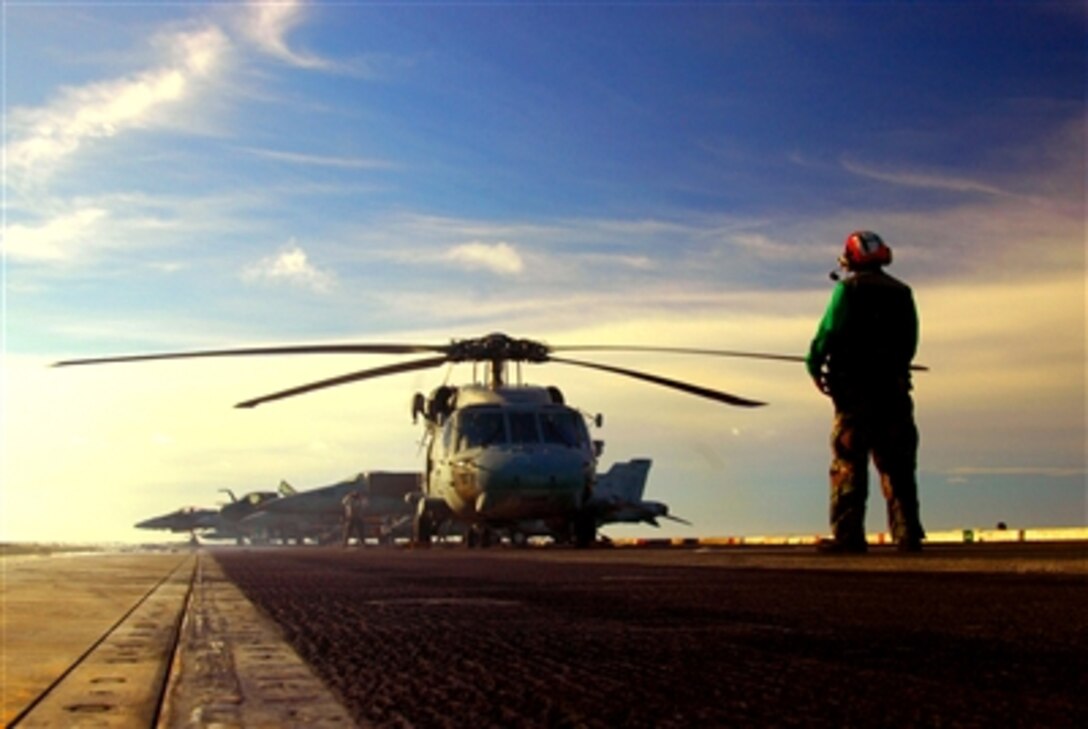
354, 503
860, 358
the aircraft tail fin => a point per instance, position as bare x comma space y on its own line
286, 489
623, 482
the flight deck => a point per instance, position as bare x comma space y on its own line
964, 634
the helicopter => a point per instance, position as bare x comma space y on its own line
498, 453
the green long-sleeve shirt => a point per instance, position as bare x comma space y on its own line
869, 332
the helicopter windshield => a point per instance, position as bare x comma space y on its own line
480, 427
523, 427
563, 427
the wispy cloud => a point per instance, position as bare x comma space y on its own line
58, 240
291, 266
313, 160
268, 26
635, 262
53, 231
498, 258
765, 247
948, 183
43, 137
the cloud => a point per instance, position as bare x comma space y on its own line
293, 267
928, 181
44, 137
638, 263
267, 25
348, 163
500, 258
767, 248
54, 241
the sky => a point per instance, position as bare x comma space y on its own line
199, 175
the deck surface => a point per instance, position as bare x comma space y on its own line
959, 635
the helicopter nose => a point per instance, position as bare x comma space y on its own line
513, 485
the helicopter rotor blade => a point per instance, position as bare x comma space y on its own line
419, 364
665, 382
247, 351
691, 350
677, 350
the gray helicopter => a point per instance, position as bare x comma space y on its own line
498, 453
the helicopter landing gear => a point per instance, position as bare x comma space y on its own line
422, 525
585, 530
478, 536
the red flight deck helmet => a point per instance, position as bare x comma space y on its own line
864, 249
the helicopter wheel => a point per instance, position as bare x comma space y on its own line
422, 527
478, 536
585, 531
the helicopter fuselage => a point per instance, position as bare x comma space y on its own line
499, 456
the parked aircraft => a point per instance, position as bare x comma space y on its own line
188, 519
316, 513
232, 514
221, 523
617, 497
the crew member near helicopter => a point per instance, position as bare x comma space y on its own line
860, 358
354, 503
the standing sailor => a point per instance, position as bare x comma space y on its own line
354, 503
860, 358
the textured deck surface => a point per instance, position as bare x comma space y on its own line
966, 635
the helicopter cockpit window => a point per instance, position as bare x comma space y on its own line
563, 427
523, 427
480, 427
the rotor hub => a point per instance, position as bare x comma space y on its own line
497, 348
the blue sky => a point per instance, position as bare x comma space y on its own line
187, 175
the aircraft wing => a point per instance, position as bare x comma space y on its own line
183, 520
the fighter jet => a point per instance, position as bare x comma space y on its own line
232, 514
317, 513
617, 497
187, 519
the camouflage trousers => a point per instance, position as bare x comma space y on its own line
881, 427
